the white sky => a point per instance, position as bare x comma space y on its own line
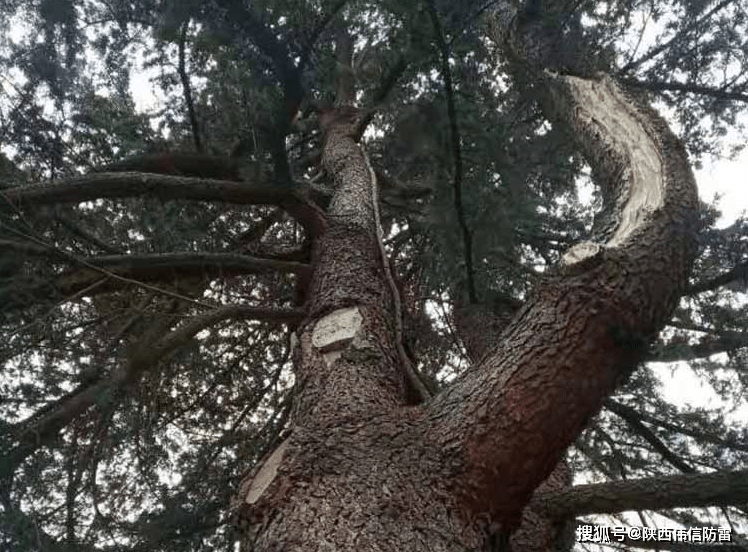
726, 178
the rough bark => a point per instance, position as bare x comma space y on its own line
197, 165
165, 187
361, 470
479, 326
684, 491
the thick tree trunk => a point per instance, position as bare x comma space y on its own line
361, 470
480, 326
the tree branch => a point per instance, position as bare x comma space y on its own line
733, 444
467, 237
739, 272
109, 273
165, 187
652, 493
634, 422
661, 86
187, 89
306, 51
40, 430
289, 75
84, 234
657, 50
712, 344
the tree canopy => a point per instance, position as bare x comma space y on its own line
146, 317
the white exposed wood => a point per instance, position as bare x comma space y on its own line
580, 252
601, 106
331, 356
336, 330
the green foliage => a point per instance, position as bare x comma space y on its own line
152, 465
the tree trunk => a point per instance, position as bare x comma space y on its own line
479, 326
359, 469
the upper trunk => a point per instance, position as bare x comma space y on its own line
361, 470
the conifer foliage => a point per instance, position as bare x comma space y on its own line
187, 193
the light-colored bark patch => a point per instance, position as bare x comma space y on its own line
267, 473
335, 331
580, 252
635, 155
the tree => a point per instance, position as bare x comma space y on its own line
172, 339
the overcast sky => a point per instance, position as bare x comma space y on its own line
726, 178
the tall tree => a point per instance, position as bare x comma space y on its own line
337, 290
